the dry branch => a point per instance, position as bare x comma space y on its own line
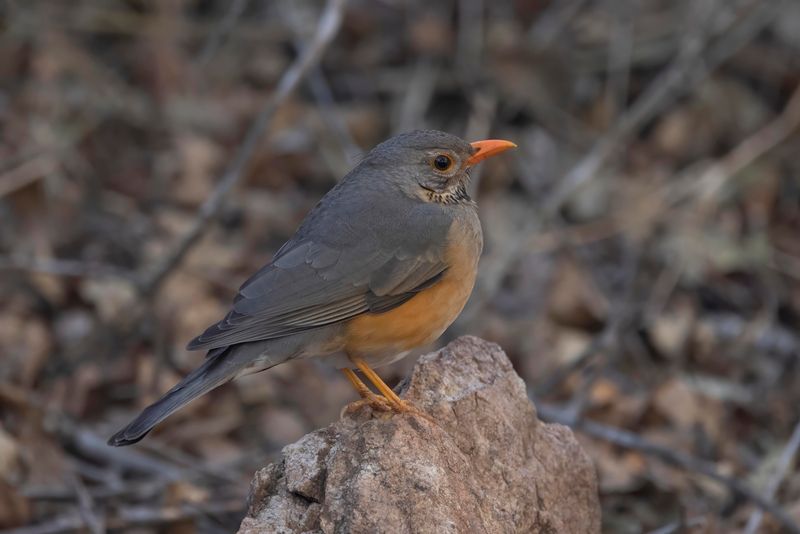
784, 462
693, 65
326, 29
691, 464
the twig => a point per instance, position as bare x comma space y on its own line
680, 77
484, 106
667, 86
598, 343
26, 173
321, 91
552, 23
620, 53
84, 441
132, 516
679, 526
145, 515
146, 489
326, 29
690, 68
93, 446
71, 522
86, 508
689, 186
190, 463
410, 111
470, 40
220, 31
623, 311
629, 440
785, 460
785, 263
708, 185
61, 267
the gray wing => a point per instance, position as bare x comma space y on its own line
332, 271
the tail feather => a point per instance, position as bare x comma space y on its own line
215, 371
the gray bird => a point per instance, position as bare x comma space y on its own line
384, 263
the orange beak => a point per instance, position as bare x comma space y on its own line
487, 149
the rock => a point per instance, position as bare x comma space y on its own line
486, 464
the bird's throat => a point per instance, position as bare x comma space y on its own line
456, 194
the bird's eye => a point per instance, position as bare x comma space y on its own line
442, 162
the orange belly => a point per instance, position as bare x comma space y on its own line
423, 318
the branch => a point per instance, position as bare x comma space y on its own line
86, 507
220, 32
710, 182
63, 267
784, 462
700, 187
323, 95
326, 30
26, 173
690, 68
629, 440
680, 526
484, 108
133, 516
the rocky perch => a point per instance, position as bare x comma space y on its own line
487, 464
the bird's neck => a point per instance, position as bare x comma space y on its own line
452, 195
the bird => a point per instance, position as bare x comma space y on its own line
383, 264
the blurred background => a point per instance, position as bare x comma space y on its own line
641, 267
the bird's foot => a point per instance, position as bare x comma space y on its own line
381, 404
378, 403
388, 401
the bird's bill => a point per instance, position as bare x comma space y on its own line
488, 148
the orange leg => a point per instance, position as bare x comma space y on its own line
376, 401
360, 386
373, 377
388, 401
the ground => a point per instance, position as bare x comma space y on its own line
642, 249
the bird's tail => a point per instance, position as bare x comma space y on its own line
216, 370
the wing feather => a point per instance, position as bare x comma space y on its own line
347, 258
290, 295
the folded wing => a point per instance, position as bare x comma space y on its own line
311, 284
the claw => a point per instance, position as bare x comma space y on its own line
389, 401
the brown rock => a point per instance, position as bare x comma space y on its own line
487, 464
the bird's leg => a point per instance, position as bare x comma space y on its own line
373, 377
360, 386
376, 401
388, 401
397, 404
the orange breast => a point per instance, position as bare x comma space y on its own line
423, 318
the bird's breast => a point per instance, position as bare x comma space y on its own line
425, 316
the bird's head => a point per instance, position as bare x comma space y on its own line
432, 165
